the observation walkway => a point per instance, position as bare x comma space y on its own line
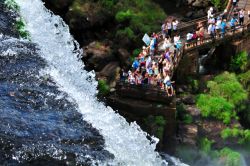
207, 42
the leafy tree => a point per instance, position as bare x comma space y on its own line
240, 62
216, 107
225, 96
227, 86
228, 157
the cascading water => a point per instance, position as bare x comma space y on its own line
61, 52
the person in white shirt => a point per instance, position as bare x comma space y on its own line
234, 3
175, 25
189, 37
241, 16
209, 12
210, 30
176, 39
166, 44
169, 27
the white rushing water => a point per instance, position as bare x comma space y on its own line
126, 141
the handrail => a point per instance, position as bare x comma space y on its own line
207, 40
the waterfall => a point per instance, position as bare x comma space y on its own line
61, 52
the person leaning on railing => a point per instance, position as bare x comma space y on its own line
223, 27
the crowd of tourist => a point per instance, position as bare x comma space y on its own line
155, 63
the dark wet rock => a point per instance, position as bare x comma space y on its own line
110, 70
188, 100
58, 6
90, 13
97, 55
199, 13
198, 3
85, 19
189, 134
193, 111
123, 56
39, 125
179, 90
7, 20
189, 14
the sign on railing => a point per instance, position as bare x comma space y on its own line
146, 39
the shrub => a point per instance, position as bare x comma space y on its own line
103, 87
109, 4
243, 136
20, 26
156, 125
205, 145
229, 157
144, 15
11, 4
227, 86
244, 78
160, 121
127, 32
123, 15
216, 107
240, 62
219, 4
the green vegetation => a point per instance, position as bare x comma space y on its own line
134, 17
109, 4
216, 107
228, 157
225, 156
183, 115
160, 123
11, 4
19, 24
243, 136
219, 4
205, 145
157, 125
226, 96
103, 87
244, 79
240, 62
128, 32
122, 16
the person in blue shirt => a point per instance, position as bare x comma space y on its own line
223, 28
232, 23
135, 64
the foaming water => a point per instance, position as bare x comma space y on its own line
127, 142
